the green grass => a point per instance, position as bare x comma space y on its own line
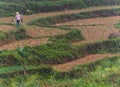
9, 7
2, 23
72, 36
12, 35
2, 35
60, 51
12, 69
97, 74
105, 74
117, 25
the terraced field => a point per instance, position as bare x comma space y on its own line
36, 32
94, 29
25, 42
62, 47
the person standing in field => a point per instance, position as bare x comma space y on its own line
18, 18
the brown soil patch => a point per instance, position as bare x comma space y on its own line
94, 29
87, 59
6, 28
35, 31
25, 42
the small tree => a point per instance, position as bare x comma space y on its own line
23, 58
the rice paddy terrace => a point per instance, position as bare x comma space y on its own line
62, 40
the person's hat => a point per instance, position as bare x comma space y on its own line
17, 12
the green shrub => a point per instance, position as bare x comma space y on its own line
72, 36
13, 35
61, 51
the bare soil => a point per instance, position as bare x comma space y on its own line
6, 28
22, 43
87, 59
94, 29
36, 32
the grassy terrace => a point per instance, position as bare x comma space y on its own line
103, 73
60, 50
57, 52
8, 7
12, 35
38, 60
47, 21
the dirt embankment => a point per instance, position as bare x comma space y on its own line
87, 59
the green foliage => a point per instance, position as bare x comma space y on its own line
8, 58
2, 23
9, 7
117, 25
72, 36
14, 71
61, 51
19, 34
7, 37
50, 53
2, 35
102, 73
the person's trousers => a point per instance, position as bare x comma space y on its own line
17, 22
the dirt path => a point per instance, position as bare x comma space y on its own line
36, 32
6, 28
25, 42
87, 59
